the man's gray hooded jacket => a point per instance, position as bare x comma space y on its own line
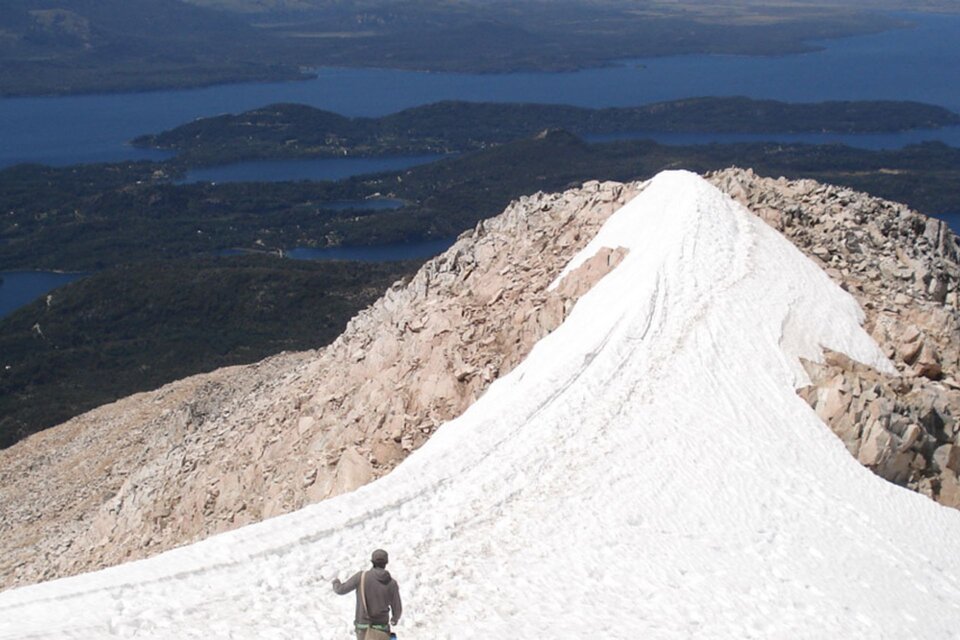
383, 595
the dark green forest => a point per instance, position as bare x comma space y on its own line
136, 327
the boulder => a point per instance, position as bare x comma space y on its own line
949, 493
927, 363
947, 458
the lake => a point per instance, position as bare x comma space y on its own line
952, 219
383, 253
20, 288
922, 63
23, 287
308, 169
367, 204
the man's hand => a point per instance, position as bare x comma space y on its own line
336, 583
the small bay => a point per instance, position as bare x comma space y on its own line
303, 169
368, 204
20, 288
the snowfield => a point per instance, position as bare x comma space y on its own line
647, 472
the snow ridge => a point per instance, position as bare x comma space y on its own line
556, 501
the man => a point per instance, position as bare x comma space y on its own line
377, 596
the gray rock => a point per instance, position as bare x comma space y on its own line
947, 458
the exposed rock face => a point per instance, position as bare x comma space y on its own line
220, 450
216, 451
904, 269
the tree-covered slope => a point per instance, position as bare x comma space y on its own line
137, 327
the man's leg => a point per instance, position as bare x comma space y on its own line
361, 634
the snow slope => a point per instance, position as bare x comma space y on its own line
648, 471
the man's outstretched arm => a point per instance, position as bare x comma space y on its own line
348, 586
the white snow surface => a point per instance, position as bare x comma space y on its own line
648, 471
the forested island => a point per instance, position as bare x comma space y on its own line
298, 131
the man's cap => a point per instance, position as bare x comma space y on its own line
379, 557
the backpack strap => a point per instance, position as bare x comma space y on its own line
363, 594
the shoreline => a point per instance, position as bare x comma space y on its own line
308, 72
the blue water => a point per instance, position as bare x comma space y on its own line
873, 141
309, 169
20, 288
367, 204
23, 287
383, 253
922, 63
952, 219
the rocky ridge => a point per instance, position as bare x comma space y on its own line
219, 450
904, 270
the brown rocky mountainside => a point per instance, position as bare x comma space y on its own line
216, 451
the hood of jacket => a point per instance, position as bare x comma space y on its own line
380, 575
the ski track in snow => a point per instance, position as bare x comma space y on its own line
648, 471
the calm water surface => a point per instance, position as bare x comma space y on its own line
952, 219
20, 288
23, 287
308, 169
384, 253
922, 63
367, 204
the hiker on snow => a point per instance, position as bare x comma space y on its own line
377, 595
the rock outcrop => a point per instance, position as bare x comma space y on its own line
904, 270
220, 450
